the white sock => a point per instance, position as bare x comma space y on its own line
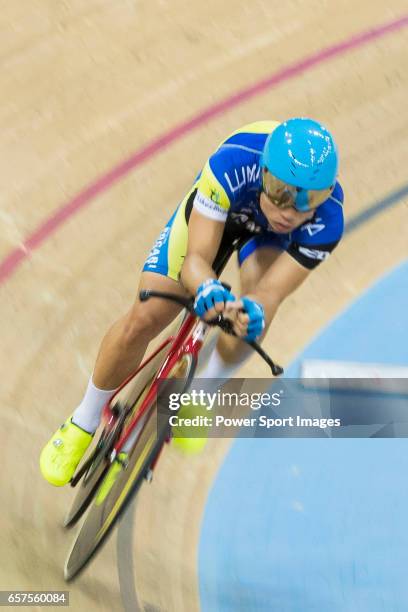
216, 367
88, 414
217, 371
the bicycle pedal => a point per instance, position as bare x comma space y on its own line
123, 462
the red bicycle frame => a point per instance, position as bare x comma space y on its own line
183, 343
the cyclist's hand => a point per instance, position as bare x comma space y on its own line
211, 299
249, 324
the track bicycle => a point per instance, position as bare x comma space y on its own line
109, 478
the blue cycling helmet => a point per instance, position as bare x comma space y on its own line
302, 152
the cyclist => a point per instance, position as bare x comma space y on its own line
277, 183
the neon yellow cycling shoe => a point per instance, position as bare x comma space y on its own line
61, 455
191, 432
110, 478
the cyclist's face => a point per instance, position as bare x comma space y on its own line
283, 220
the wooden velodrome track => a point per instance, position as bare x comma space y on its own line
84, 86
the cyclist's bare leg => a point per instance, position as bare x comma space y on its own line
120, 353
125, 343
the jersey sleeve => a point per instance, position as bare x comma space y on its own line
308, 257
313, 242
211, 199
231, 175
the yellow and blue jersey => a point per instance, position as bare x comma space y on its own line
228, 190
231, 179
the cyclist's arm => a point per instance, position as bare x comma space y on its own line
281, 279
285, 275
204, 238
291, 268
206, 223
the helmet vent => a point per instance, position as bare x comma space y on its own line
314, 174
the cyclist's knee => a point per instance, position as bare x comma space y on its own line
141, 323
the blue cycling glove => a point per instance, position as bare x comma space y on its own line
256, 316
208, 294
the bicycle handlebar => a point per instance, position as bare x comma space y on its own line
219, 321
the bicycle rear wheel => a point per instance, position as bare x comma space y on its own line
105, 510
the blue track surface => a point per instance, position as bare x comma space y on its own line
305, 525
